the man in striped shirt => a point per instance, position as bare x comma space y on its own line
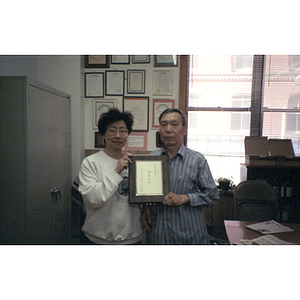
179, 219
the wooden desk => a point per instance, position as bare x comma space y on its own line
236, 231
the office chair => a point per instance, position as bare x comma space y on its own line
255, 200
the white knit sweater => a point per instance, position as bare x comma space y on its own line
110, 219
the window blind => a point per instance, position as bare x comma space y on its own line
281, 99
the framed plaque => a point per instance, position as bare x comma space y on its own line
136, 141
97, 61
148, 178
140, 59
158, 141
120, 59
165, 60
99, 140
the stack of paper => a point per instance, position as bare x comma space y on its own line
265, 240
269, 227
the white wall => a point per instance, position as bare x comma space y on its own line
148, 67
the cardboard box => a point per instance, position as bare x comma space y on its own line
261, 151
257, 151
279, 147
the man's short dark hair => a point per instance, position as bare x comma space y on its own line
170, 110
114, 115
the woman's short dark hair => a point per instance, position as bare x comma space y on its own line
114, 115
170, 110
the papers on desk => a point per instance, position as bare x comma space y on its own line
265, 240
269, 227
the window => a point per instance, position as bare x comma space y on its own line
294, 63
293, 119
233, 96
219, 110
240, 121
281, 102
244, 62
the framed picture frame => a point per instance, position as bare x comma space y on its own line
136, 141
94, 85
114, 83
148, 178
165, 60
162, 82
120, 59
99, 107
158, 141
99, 140
139, 107
136, 81
158, 106
140, 59
97, 61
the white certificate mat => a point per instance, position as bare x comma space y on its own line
149, 180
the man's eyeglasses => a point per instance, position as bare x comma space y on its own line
113, 131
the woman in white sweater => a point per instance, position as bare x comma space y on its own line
103, 184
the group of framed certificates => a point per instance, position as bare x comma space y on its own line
111, 83
130, 84
138, 106
104, 61
114, 83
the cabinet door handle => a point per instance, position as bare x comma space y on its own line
59, 195
54, 193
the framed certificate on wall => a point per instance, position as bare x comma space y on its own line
100, 107
94, 85
120, 59
139, 107
140, 59
159, 105
114, 83
136, 81
162, 82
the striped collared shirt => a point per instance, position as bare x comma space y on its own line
184, 224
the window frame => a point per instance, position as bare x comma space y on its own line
184, 92
257, 110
